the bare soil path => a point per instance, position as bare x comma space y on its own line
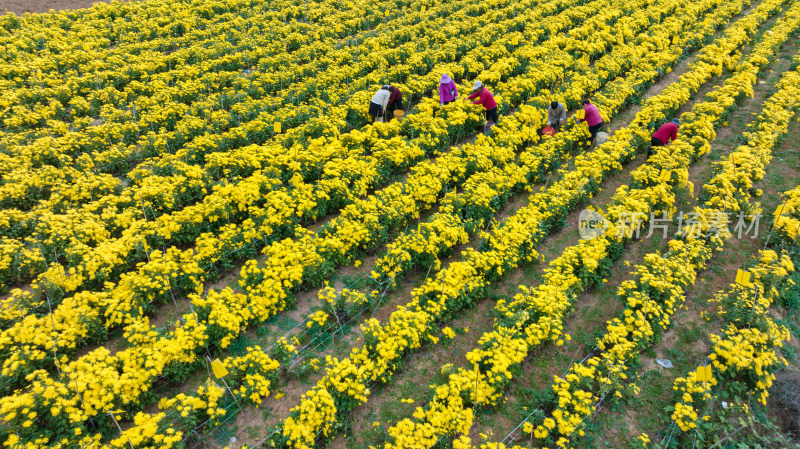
20, 7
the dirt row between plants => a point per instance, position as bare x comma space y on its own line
20, 7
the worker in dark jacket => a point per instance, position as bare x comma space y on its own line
395, 101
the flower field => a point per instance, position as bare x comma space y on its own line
206, 240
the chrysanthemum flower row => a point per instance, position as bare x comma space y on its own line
169, 182
447, 292
175, 271
661, 282
165, 230
507, 345
141, 335
744, 354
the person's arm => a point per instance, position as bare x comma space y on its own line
481, 98
475, 94
442, 90
563, 116
674, 134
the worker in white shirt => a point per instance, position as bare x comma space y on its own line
377, 106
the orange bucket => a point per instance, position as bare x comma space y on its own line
548, 131
398, 114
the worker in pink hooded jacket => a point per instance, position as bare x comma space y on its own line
592, 117
448, 91
665, 134
485, 99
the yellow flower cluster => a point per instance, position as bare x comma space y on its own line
787, 215
448, 333
318, 318
255, 373
249, 377
195, 409
744, 355
145, 433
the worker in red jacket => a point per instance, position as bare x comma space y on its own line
665, 134
485, 99
395, 101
